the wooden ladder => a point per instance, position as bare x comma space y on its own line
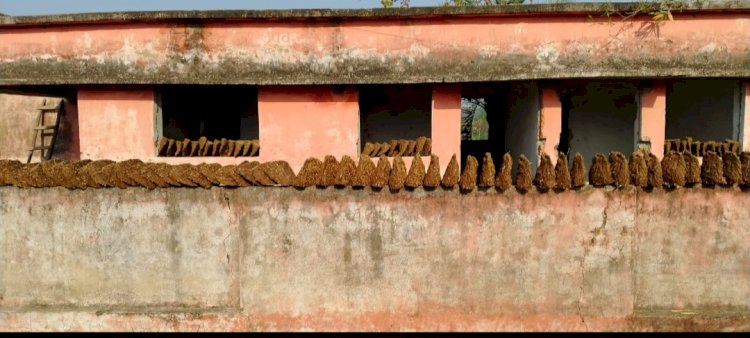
42, 130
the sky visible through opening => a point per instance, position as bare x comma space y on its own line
42, 7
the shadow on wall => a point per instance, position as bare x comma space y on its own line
67, 145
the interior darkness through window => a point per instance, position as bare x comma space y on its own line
395, 112
598, 117
216, 112
483, 120
704, 110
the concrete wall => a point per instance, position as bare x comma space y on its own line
446, 123
653, 118
297, 122
310, 121
117, 124
550, 122
706, 110
283, 259
413, 47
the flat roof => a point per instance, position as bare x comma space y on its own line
372, 13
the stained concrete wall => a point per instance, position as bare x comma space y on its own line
414, 46
283, 259
307, 121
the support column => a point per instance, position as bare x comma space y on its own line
550, 123
654, 117
446, 123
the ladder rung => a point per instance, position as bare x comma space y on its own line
50, 107
41, 148
44, 127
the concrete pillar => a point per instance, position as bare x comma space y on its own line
298, 122
446, 124
653, 117
550, 123
116, 124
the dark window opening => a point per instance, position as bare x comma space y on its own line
500, 117
598, 117
701, 112
209, 121
483, 121
395, 119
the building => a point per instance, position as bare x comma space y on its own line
528, 80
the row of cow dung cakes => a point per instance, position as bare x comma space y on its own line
699, 148
421, 145
203, 147
641, 169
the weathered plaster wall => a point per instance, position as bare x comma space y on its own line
18, 117
446, 123
653, 117
311, 121
550, 122
376, 50
117, 124
283, 259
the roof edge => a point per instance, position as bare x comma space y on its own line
372, 13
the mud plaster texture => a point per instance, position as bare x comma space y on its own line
588, 260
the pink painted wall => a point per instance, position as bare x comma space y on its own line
295, 123
116, 125
653, 117
120, 125
312, 121
551, 122
145, 47
446, 124
549, 39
